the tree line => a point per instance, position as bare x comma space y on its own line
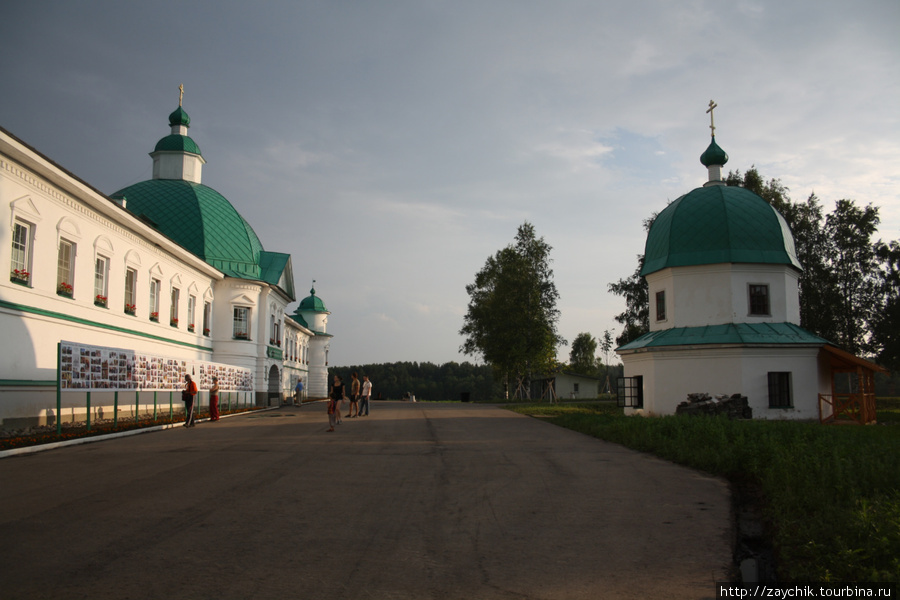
850, 284
427, 381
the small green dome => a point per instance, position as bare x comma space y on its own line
179, 117
718, 224
312, 303
713, 155
177, 143
201, 220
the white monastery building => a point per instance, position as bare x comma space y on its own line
723, 280
163, 272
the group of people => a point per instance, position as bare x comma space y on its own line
360, 394
187, 396
359, 399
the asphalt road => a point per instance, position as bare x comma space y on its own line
415, 501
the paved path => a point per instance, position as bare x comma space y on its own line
416, 501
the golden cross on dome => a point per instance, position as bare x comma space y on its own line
712, 122
181, 94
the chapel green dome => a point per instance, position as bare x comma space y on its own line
177, 143
718, 224
713, 155
201, 220
312, 303
179, 117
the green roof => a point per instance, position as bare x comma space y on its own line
718, 224
275, 268
730, 333
177, 143
201, 220
179, 117
312, 303
713, 155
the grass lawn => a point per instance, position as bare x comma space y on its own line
831, 493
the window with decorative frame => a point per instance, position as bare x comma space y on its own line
173, 307
65, 269
192, 309
241, 329
155, 287
101, 281
207, 318
20, 260
130, 290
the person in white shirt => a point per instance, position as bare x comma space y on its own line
364, 397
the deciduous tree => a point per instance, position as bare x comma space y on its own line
583, 356
512, 316
886, 321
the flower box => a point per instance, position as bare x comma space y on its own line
65, 290
241, 336
191, 327
206, 332
173, 322
100, 300
130, 309
154, 316
20, 276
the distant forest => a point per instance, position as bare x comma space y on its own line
427, 381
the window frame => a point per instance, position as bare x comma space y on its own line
207, 317
191, 311
65, 274
20, 271
155, 289
661, 313
101, 280
755, 300
175, 297
241, 333
630, 392
131, 280
780, 386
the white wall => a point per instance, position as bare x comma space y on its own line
719, 294
671, 374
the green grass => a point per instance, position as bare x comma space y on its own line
831, 493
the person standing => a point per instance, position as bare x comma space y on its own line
214, 400
366, 396
334, 402
354, 396
298, 393
187, 396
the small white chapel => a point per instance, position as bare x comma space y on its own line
723, 279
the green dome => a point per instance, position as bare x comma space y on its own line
713, 155
179, 117
177, 143
312, 303
201, 220
718, 224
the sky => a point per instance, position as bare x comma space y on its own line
392, 146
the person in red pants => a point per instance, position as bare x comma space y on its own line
214, 400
